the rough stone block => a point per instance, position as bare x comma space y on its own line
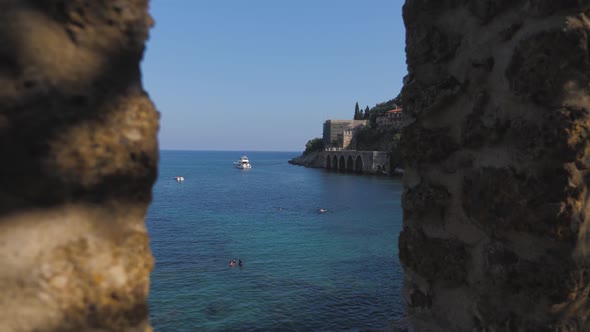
79, 160
510, 144
441, 260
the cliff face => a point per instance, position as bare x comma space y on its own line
79, 156
496, 213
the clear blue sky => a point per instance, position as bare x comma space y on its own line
265, 74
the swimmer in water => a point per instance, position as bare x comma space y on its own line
231, 263
322, 210
240, 263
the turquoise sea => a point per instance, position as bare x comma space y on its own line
302, 270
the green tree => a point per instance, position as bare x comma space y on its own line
357, 112
313, 145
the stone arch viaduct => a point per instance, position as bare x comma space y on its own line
356, 161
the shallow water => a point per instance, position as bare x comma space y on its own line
303, 270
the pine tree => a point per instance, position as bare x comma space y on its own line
367, 114
357, 113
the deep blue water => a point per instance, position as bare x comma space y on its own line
303, 270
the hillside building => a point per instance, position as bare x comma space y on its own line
391, 118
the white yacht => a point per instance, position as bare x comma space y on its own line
243, 163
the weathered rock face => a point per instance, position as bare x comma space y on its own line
79, 155
496, 208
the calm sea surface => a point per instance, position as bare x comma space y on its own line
303, 270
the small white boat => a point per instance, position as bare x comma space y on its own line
243, 163
179, 178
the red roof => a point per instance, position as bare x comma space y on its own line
396, 110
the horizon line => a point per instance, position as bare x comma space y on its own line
221, 150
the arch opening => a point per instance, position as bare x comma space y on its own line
349, 164
358, 167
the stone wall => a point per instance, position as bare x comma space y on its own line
495, 204
347, 137
332, 128
79, 156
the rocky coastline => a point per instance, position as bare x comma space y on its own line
311, 159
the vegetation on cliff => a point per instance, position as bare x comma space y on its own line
314, 145
373, 138
378, 110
